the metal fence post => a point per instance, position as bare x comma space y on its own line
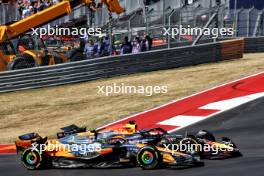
163, 12
217, 22
147, 20
110, 34
36, 48
262, 26
130, 30
257, 24
169, 24
248, 21
236, 18
180, 22
236, 22
194, 22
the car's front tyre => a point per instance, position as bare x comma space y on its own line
149, 158
31, 159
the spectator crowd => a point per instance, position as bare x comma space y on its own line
29, 7
91, 47
101, 47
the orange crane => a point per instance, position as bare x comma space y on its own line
9, 59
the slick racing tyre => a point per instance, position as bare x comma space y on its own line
31, 159
229, 141
235, 152
148, 158
21, 62
191, 145
203, 134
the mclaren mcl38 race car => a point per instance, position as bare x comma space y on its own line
122, 147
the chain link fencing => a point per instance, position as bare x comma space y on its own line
137, 21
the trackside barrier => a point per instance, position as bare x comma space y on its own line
188, 43
232, 49
119, 65
254, 45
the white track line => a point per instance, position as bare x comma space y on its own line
126, 118
182, 121
221, 104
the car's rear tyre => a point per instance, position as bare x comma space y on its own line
21, 62
149, 158
31, 159
236, 152
191, 145
229, 141
203, 134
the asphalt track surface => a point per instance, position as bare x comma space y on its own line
245, 125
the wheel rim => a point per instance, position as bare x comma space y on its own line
191, 142
147, 157
31, 158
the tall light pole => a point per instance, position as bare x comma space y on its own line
163, 11
235, 16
